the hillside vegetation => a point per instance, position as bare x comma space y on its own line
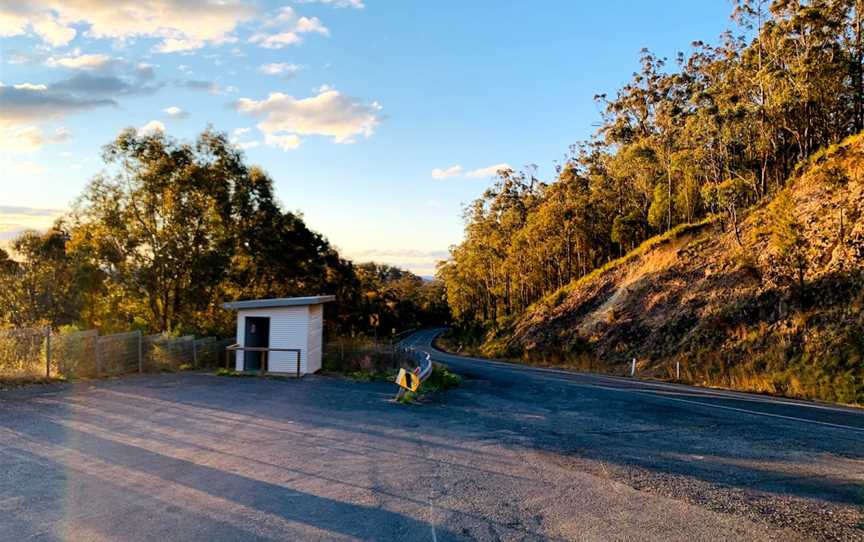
732, 315
711, 220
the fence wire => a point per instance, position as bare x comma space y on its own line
346, 355
32, 353
21, 354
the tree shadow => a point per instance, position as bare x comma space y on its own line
655, 432
334, 516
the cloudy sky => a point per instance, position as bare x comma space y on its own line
377, 119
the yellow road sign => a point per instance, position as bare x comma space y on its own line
374, 320
408, 380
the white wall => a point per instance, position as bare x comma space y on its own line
316, 327
289, 328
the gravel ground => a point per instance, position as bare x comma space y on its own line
514, 454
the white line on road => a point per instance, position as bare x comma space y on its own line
755, 412
515, 367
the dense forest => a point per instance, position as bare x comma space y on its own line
171, 230
711, 134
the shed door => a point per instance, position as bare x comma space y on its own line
257, 335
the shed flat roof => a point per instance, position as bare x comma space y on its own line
278, 302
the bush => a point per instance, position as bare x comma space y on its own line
441, 379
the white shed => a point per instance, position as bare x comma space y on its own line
292, 327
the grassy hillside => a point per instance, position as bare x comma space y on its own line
780, 312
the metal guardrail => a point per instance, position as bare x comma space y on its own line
264, 357
425, 366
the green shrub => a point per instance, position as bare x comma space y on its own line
441, 379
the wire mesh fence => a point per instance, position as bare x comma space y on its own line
363, 354
21, 354
32, 353
74, 354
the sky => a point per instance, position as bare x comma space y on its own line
377, 119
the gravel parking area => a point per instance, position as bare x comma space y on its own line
198, 457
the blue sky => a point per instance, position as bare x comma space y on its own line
377, 119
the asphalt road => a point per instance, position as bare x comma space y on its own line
516, 453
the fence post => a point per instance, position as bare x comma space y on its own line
194, 354
140, 352
48, 352
97, 355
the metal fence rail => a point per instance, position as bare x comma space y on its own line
265, 356
424, 363
33, 353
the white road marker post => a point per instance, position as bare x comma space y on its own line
677, 370
633, 368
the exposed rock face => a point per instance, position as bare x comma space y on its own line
731, 314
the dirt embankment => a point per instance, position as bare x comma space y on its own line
731, 314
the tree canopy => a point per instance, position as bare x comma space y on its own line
718, 130
170, 230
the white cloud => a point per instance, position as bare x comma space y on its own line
180, 24
79, 61
290, 27
490, 171
285, 70
329, 113
248, 144
285, 142
276, 41
451, 171
20, 139
421, 262
174, 45
30, 86
356, 4
284, 15
15, 220
175, 112
52, 32
152, 127
309, 25
238, 133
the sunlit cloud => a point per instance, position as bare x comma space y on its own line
152, 127
79, 61
356, 4
490, 171
329, 113
287, 29
281, 69
284, 142
15, 220
22, 139
175, 112
445, 173
422, 262
181, 25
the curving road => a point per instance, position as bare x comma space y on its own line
781, 463
515, 453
